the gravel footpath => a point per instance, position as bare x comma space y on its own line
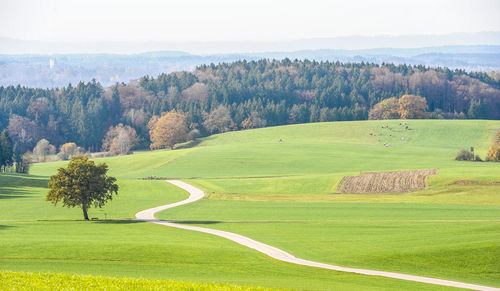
196, 194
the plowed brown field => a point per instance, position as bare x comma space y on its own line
386, 182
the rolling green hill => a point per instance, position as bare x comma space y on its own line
282, 193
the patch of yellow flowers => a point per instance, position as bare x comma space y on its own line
54, 281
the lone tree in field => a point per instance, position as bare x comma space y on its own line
82, 184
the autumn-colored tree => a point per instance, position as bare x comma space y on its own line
82, 184
167, 130
133, 95
412, 107
198, 92
494, 151
120, 139
493, 154
42, 149
385, 109
68, 150
253, 121
24, 132
218, 120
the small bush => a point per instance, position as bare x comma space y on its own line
101, 155
464, 155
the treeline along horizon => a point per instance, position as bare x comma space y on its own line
242, 95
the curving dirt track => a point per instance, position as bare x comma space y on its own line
196, 194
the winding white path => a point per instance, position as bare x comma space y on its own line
197, 194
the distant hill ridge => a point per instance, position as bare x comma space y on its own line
57, 70
10, 46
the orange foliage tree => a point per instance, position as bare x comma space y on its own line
494, 151
167, 130
385, 109
412, 107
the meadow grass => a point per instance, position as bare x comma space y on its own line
144, 250
436, 240
23, 197
292, 189
287, 193
336, 148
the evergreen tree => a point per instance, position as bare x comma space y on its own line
6, 150
478, 110
114, 105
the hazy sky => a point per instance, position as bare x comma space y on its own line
248, 20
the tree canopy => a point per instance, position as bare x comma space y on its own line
412, 107
68, 150
83, 184
168, 130
6, 151
218, 120
494, 150
406, 107
238, 95
385, 109
42, 149
120, 139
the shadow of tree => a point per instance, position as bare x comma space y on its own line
113, 221
196, 221
189, 144
14, 185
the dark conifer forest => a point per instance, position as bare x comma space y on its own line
239, 95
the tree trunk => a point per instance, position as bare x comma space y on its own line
85, 215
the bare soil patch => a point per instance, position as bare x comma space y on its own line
386, 182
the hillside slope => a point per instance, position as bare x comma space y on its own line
282, 193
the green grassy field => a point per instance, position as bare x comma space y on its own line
426, 239
23, 197
282, 193
143, 250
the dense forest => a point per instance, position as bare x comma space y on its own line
239, 95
